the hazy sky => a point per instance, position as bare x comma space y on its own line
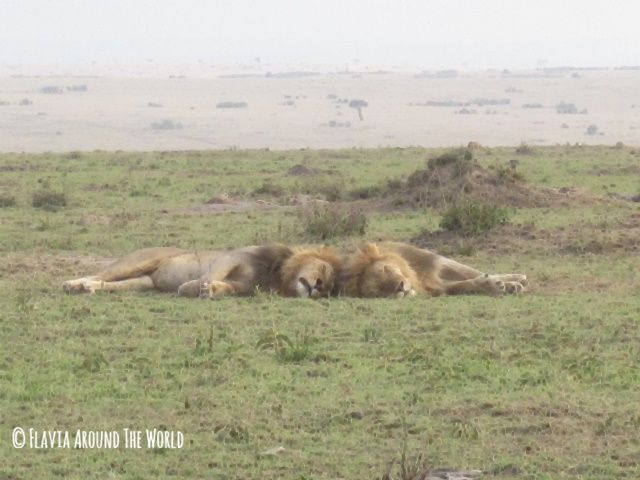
424, 34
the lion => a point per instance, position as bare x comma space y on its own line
287, 271
398, 270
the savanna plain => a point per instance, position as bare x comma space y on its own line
542, 385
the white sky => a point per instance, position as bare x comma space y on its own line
424, 34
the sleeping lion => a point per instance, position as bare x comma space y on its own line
397, 270
288, 271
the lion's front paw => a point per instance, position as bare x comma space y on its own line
491, 285
81, 285
514, 287
215, 289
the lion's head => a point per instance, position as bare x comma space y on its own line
370, 273
310, 273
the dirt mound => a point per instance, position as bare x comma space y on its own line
456, 176
576, 239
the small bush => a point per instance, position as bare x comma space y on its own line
481, 102
78, 88
49, 200
363, 193
524, 149
7, 201
323, 222
566, 108
592, 130
232, 105
508, 173
461, 159
472, 219
166, 125
268, 188
25, 102
532, 105
51, 90
332, 189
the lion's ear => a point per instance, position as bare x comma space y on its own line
370, 249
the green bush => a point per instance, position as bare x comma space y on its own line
7, 201
49, 200
332, 189
524, 149
269, 188
323, 222
460, 158
472, 219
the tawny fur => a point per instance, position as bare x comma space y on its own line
273, 268
316, 264
393, 269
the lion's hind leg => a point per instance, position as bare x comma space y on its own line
483, 284
93, 284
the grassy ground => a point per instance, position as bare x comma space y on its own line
544, 385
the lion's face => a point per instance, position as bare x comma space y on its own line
370, 273
384, 279
315, 279
310, 273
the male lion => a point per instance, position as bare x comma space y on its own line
292, 272
391, 269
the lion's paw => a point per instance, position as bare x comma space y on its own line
214, 289
514, 287
491, 285
81, 285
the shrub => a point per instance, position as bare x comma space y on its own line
592, 130
166, 125
52, 90
49, 200
322, 221
232, 105
363, 193
532, 105
268, 188
566, 108
524, 149
472, 219
481, 102
78, 88
24, 102
461, 159
508, 173
332, 189
7, 201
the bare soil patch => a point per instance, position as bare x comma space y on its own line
575, 239
55, 265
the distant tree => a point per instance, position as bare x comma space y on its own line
359, 105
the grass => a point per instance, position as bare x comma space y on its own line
541, 386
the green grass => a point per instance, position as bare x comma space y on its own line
541, 386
